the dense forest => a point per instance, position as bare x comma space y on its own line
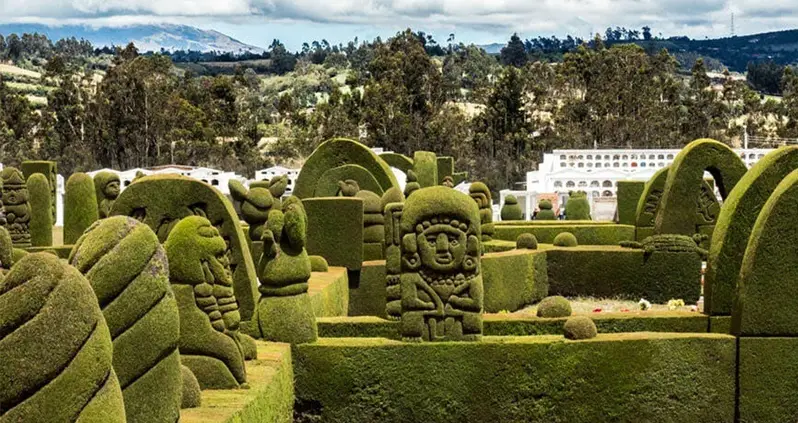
496, 114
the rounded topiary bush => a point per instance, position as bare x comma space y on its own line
318, 264
554, 306
580, 327
526, 241
511, 210
577, 207
546, 212
41, 217
191, 389
80, 206
565, 239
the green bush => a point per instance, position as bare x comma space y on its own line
16, 206
676, 213
48, 169
41, 219
620, 378
191, 396
161, 201
328, 184
127, 269
373, 218
767, 379
6, 250
565, 239
445, 168
335, 230
577, 207
56, 348
511, 210
80, 206
580, 327
339, 152
255, 204
554, 306
425, 165
318, 264
399, 161
526, 241
629, 193
735, 223
412, 184
106, 189
648, 204
545, 212
481, 194
514, 279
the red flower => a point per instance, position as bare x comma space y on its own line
597, 310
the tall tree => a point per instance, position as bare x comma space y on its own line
514, 53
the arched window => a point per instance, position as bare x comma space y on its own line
607, 193
616, 164
642, 164
127, 183
751, 156
570, 184
557, 184
634, 164
562, 157
598, 165
594, 184
625, 157
616, 157
670, 156
634, 156
661, 157
661, 164
607, 184
590, 157
606, 157
625, 164
580, 165
651, 164
562, 164
215, 182
651, 157
589, 164
580, 157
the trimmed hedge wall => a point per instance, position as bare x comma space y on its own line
327, 184
335, 230
677, 206
626, 273
735, 223
445, 168
41, 211
629, 193
329, 292
368, 290
514, 279
425, 165
399, 161
587, 234
640, 377
338, 152
768, 380
765, 304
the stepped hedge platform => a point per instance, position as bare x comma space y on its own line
270, 397
631, 377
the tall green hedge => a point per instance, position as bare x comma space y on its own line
48, 169
514, 279
80, 206
608, 272
768, 380
425, 165
639, 377
335, 230
339, 152
629, 193
55, 347
766, 301
578, 206
587, 233
735, 223
686, 175
648, 204
161, 201
445, 168
41, 219
127, 268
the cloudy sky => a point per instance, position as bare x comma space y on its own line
294, 21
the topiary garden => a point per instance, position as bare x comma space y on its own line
358, 300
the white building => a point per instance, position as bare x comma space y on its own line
269, 173
216, 178
597, 172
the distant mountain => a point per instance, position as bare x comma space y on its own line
494, 48
146, 37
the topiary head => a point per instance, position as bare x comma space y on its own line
348, 188
545, 205
510, 199
15, 191
554, 306
481, 194
255, 202
192, 244
107, 184
526, 241
565, 239
580, 327
278, 185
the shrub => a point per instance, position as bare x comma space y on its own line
481, 194
56, 349
629, 193
565, 239
191, 395
526, 241
335, 230
546, 212
106, 188
580, 327
16, 206
127, 268
577, 207
41, 219
554, 306
48, 169
425, 165
318, 264
6, 250
511, 210
80, 206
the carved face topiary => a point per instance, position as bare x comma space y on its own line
16, 206
107, 187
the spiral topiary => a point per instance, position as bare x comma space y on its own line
546, 212
127, 268
511, 210
580, 327
554, 306
565, 239
55, 346
526, 241
41, 216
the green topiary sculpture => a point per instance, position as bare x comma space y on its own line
511, 210
80, 206
373, 226
107, 187
441, 282
16, 206
526, 241
6, 251
412, 184
199, 273
577, 207
565, 239
318, 264
255, 206
393, 260
481, 194
348, 188
41, 217
48, 169
546, 212
191, 395
580, 327
285, 313
55, 347
127, 268
278, 185
554, 306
